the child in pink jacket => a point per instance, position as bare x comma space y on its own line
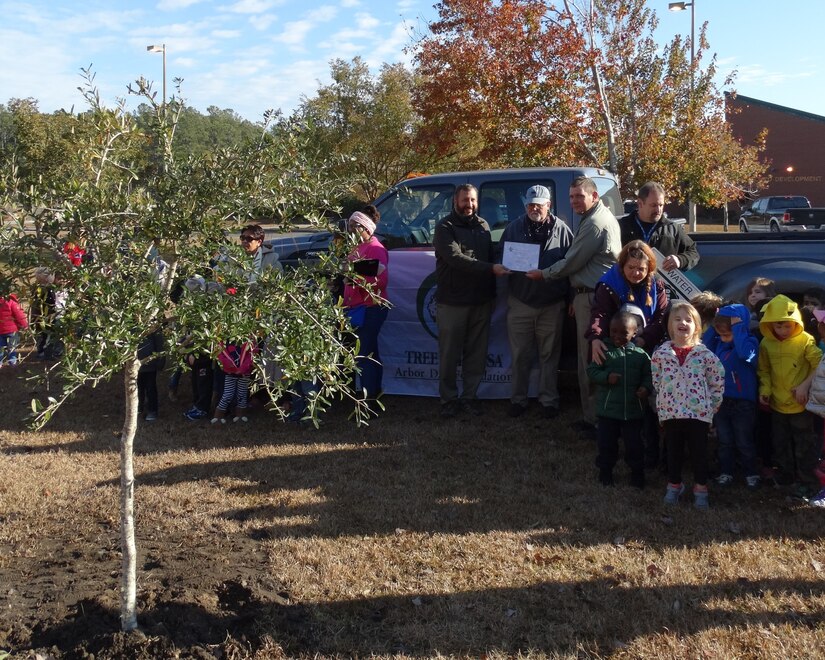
12, 321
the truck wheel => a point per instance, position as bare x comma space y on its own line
774, 227
743, 227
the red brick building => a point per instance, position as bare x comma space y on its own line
795, 145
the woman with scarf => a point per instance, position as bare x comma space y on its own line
630, 285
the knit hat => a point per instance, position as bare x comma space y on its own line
363, 220
819, 315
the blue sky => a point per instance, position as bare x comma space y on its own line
251, 55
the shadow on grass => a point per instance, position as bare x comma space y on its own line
469, 476
549, 617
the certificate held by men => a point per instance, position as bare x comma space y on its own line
521, 257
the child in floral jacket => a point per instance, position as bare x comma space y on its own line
689, 381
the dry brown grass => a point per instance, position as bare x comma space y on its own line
410, 538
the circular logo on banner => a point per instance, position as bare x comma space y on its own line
425, 305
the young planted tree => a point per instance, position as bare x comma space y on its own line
125, 209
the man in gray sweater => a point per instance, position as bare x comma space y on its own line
594, 250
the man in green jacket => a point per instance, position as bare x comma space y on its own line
465, 271
594, 250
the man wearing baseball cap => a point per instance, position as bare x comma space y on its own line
535, 309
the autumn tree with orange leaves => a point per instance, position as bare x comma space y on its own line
524, 82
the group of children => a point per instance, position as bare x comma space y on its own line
755, 375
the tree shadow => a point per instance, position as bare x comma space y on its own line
556, 617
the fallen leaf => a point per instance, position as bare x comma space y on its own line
417, 601
619, 540
667, 520
653, 570
817, 566
510, 614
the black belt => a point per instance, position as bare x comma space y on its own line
582, 289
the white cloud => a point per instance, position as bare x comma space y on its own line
263, 22
295, 32
756, 73
404, 5
251, 6
226, 34
185, 62
350, 3
173, 5
366, 21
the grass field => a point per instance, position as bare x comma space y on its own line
414, 537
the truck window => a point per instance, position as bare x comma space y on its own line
609, 194
409, 214
501, 202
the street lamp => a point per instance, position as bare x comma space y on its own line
681, 6
160, 49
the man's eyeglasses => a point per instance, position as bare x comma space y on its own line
248, 239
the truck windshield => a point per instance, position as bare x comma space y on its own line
409, 213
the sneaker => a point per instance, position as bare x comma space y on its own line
449, 409
215, 420
240, 418
516, 410
195, 413
673, 493
550, 412
752, 481
803, 492
151, 417
818, 500
724, 479
700, 499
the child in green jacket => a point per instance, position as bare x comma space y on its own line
623, 383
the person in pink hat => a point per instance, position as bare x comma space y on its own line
365, 298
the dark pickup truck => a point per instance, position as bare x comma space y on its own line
803, 220
781, 213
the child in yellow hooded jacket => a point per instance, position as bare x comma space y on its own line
788, 357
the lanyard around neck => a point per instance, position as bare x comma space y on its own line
646, 234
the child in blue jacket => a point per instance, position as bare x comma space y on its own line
730, 338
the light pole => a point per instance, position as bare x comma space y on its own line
160, 49
681, 6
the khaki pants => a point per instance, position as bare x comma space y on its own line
532, 330
582, 305
463, 331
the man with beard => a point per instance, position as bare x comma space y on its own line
535, 309
465, 294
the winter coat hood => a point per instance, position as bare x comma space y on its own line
781, 308
736, 311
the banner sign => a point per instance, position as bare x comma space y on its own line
408, 341
679, 287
